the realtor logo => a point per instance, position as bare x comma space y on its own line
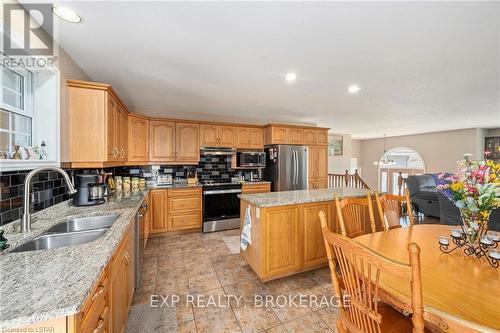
37, 21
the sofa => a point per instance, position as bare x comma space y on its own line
423, 194
426, 199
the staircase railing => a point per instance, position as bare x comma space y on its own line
346, 180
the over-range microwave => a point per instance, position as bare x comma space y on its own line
255, 159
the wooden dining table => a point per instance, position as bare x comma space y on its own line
460, 293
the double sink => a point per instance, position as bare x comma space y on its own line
75, 231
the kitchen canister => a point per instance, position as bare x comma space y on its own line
118, 183
126, 184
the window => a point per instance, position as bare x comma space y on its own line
15, 109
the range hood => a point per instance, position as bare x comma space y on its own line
217, 151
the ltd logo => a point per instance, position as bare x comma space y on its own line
34, 23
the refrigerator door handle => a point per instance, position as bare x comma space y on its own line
293, 167
296, 172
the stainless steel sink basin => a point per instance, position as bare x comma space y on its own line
51, 241
85, 223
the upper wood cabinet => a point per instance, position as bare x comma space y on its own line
295, 135
249, 137
318, 166
94, 128
217, 136
138, 138
161, 141
187, 142
174, 142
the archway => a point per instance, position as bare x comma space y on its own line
404, 162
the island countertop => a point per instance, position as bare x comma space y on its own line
273, 199
47, 284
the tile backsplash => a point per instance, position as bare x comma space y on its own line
49, 187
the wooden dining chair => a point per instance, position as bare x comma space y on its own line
390, 209
361, 269
351, 213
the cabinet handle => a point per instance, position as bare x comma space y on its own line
99, 325
98, 292
122, 155
114, 151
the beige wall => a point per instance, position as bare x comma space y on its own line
350, 160
440, 150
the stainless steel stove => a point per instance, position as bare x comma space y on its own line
221, 206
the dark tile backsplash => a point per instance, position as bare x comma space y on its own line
48, 188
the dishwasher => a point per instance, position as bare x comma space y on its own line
139, 242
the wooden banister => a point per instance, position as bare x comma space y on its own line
346, 180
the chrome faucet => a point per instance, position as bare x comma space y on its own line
26, 220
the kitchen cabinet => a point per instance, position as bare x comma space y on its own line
318, 167
94, 315
138, 138
175, 142
295, 135
249, 188
94, 128
187, 142
249, 138
161, 141
158, 210
314, 252
217, 136
122, 283
184, 209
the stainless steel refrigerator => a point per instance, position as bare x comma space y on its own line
286, 167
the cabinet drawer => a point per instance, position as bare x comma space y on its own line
185, 221
98, 323
257, 188
182, 204
96, 300
183, 192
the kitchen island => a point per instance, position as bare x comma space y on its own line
286, 233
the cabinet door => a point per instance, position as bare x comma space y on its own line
161, 141
310, 136
312, 161
129, 271
279, 135
281, 231
314, 252
322, 137
322, 164
226, 136
243, 137
123, 134
295, 135
209, 136
112, 130
118, 300
321, 183
158, 211
187, 139
257, 138
138, 132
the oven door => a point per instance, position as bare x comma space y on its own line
221, 211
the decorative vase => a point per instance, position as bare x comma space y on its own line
475, 225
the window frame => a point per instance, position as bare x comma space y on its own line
28, 97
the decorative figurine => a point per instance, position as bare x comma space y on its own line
17, 153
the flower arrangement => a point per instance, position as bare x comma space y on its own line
475, 190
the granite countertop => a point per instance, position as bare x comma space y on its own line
273, 199
46, 284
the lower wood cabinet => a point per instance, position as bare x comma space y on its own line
175, 209
287, 239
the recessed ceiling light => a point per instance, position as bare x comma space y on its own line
67, 14
353, 89
291, 77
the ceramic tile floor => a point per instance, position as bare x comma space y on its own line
201, 264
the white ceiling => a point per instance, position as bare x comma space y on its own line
423, 66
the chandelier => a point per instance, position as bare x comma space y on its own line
385, 160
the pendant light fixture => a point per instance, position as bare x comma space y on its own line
385, 160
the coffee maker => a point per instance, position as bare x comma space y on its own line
90, 190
